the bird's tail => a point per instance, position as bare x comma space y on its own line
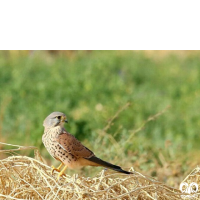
107, 165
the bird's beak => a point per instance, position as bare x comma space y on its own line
63, 119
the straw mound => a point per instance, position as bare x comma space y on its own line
23, 177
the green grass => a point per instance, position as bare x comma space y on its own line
90, 87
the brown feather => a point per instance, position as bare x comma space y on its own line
71, 145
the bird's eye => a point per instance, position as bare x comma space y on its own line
59, 117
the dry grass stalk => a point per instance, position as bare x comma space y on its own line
22, 177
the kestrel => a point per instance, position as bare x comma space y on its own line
65, 148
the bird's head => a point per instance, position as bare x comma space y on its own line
55, 119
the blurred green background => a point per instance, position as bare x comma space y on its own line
90, 87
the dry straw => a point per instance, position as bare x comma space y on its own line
22, 177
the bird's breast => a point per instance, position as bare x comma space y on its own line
50, 142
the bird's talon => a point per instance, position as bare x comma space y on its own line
54, 169
61, 173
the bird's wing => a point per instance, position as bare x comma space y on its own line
71, 145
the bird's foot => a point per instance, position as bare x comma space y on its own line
61, 173
56, 169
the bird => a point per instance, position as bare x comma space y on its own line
65, 148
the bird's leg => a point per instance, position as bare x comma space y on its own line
57, 169
62, 172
